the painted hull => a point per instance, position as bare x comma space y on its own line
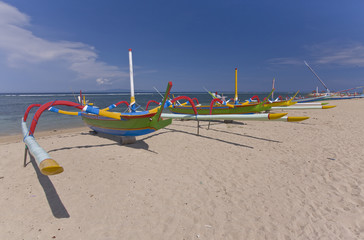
218, 110
328, 97
281, 103
313, 99
124, 127
345, 97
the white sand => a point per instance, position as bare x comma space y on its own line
262, 180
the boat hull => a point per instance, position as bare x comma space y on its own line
217, 110
125, 127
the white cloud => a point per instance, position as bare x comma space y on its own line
285, 61
332, 53
348, 54
22, 46
103, 81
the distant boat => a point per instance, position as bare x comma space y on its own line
219, 106
328, 95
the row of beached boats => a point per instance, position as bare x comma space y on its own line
135, 123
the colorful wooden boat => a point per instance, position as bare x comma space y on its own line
328, 95
133, 123
218, 106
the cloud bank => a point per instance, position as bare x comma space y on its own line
333, 53
22, 46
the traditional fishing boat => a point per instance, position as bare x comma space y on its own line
218, 106
280, 104
132, 123
328, 95
279, 100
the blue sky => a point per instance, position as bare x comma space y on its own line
53, 46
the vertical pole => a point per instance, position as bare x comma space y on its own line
132, 97
25, 156
273, 88
198, 127
236, 86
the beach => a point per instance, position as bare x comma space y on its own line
243, 180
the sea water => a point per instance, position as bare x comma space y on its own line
13, 106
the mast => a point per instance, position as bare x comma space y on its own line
236, 86
132, 97
273, 88
327, 90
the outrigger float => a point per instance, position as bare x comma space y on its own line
128, 125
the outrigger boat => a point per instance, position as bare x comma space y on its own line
279, 101
219, 106
328, 95
132, 123
251, 106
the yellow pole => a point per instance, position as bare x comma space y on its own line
236, 85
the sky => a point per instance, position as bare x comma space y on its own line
65, 46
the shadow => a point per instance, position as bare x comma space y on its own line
155, 134
244, 135
113, 138
86, 146
215, 139
55, 203
140, 144
116, 139
204, 123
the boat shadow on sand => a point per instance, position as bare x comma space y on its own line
218, 122
55, 203
139, 144
207, 137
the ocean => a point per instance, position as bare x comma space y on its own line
13, 106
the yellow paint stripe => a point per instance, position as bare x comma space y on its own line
108, 114
68, 112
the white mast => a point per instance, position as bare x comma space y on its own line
132, 98
273, 88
